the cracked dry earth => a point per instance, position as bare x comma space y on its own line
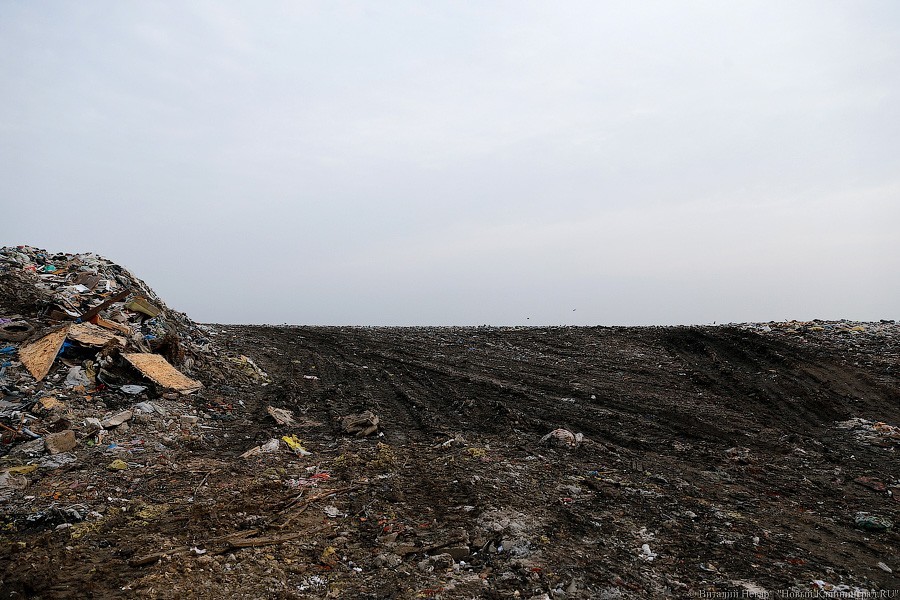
714, 459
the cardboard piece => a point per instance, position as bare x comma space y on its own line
158, 370
39, 355
88, 280
91, 335
141, 305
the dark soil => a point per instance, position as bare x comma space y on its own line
720, 448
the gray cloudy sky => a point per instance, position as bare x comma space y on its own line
464, 163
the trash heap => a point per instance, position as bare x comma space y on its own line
85, 346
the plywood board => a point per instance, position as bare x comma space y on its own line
39, 355
157, 369
91, 335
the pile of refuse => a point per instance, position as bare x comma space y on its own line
81, 338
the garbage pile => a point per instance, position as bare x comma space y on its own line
85, 349
842, 334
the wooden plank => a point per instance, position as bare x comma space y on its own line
91, 335
157, 369
39, 355
105, 304
123, 329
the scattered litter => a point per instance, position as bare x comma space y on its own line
312, 481
63, 441
562, 438
269, 447
57, 460
296, 445
251, 369
361, 425
76, 377
22, 470
117, 419
872, 522
282, 416
647, 554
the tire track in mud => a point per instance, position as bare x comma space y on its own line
772, 379
637, 388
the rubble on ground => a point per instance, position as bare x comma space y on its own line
97, 373
145, 455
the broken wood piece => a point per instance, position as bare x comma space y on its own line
158, 370
270, 541
433, 547
87, 316
244, 533
91, 335
123, 329
264, 541
298, 509
38, 356
149, 559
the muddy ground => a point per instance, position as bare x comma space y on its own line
715, 459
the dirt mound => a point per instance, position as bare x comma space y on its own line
447, 462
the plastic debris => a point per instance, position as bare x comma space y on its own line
295, 444
269, 447
870, 522
77, 377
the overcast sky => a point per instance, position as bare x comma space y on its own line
464, 162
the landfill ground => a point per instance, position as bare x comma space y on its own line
714, 459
